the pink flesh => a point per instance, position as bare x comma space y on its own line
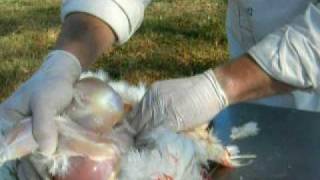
82, 168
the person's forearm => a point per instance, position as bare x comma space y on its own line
244, 80
86, 37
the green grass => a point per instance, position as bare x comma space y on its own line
178, 38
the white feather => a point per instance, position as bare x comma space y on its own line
100, 74
166, 154
59, 165
246, 130
130, 93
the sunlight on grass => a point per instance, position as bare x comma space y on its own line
178, 38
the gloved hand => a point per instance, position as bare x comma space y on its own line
43, 97
179, 104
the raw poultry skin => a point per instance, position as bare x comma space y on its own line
87, 169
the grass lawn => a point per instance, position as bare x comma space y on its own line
178, 38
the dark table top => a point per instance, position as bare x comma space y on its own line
287, 146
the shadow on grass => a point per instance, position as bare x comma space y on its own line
168, 67
171, 26
33, 19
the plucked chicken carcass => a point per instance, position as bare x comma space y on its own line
96, 141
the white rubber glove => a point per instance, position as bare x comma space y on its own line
179, 104
43, 97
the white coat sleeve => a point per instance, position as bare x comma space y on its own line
292, 53
123, 16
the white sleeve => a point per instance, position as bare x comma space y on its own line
292, 53
123, 16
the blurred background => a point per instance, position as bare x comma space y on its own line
177, 38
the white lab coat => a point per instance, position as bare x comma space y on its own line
284, 38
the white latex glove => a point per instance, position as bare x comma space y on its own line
43, 97
179, 104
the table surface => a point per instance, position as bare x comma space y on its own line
287, 146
